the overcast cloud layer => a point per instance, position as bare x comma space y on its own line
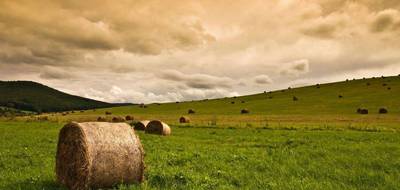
164, 50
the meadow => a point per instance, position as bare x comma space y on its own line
222, 158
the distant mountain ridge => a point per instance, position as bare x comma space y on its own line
33, 96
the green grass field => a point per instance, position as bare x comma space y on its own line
215, 158
317, 142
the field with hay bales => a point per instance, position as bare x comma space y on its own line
312, 137
215, 158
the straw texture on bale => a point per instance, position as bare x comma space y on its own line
141, 125
98, 155
184, 119
158, 127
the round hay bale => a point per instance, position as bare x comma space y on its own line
244, 111
129, 118
243, 102
158, 127
190, 111
383, 111
389, 88
98, 155
232, 102
141, 125
118, 119
108, 113
295, 98
340, 96
184, 119
362, 111
101, 119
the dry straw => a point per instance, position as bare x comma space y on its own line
98, 155
158, 127
141, 125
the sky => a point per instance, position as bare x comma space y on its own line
143, 51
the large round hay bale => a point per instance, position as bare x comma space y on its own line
118, 119
141, 125
191, 111
383, 111
184, 119
98, 155
158, 127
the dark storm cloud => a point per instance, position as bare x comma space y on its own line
198, 81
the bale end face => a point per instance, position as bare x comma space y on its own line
72, 162
141, 125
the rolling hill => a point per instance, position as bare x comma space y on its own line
339, 98
32, 96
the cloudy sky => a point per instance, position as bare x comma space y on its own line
173, 50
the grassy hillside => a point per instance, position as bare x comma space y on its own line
323, 99
31, 96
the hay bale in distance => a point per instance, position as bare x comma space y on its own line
141, 125
118, 119
383, 111
98, 155
191, 111
232, 102
158, 127
184, 119
108, 113
340, 96
101, 119
362, 111
244, 111
129, 118
295, 98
